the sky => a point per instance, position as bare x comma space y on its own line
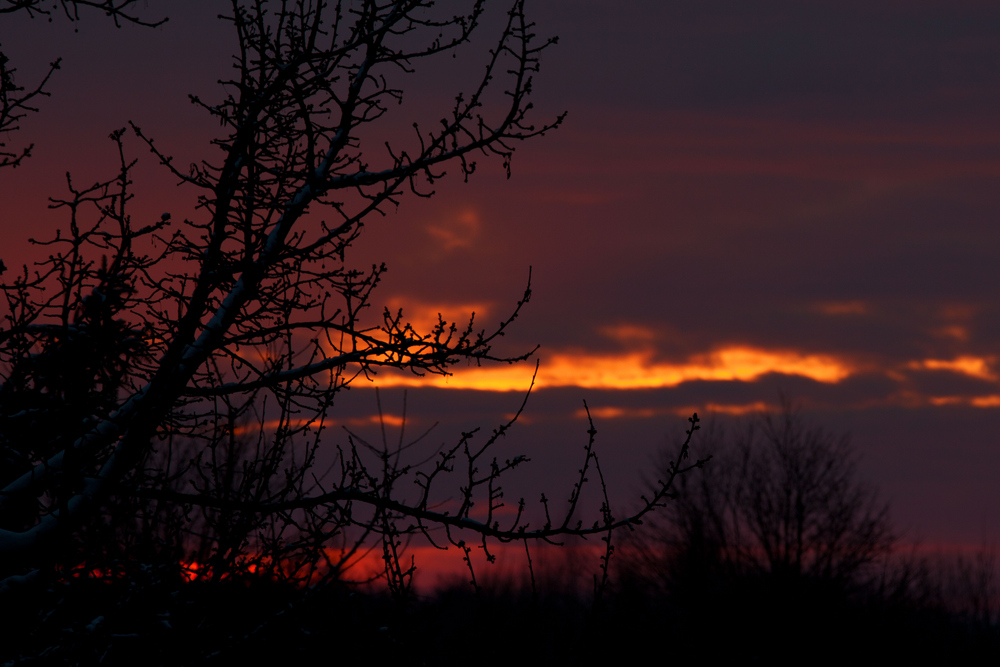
745, 201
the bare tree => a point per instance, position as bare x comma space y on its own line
171, 379
780, 498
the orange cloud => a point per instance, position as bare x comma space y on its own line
274, 424
988, 401
977, 367
914, 400
991, 401
734, 409
618, 412
955, 332
615, 412
636, 370
456, 231
629, 333
388, 420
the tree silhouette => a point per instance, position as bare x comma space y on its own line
777, 545
780, 499
17, 101
166, 383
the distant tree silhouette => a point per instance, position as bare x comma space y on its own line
166, 383
780, 499
777, 552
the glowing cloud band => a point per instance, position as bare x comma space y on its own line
633, 371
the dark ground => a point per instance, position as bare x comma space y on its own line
148, 621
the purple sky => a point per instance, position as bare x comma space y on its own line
745, 198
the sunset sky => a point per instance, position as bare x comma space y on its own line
745, 199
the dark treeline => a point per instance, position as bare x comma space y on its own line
777, 551
774, 552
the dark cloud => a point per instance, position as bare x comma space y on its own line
820, 59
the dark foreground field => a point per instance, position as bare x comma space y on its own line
756, 621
